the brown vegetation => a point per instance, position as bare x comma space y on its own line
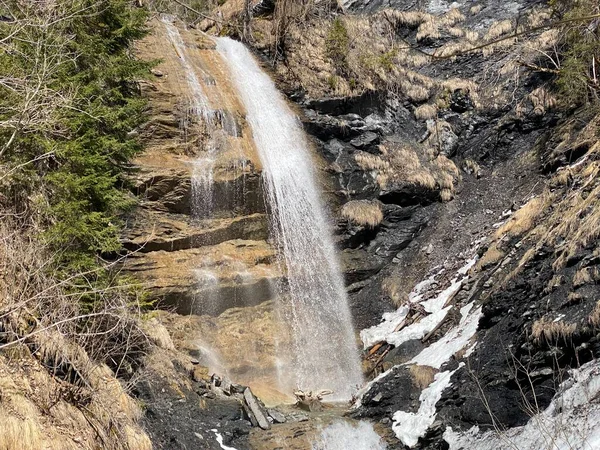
551, 331
57, 390
363, 212
422, 376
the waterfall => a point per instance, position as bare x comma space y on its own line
314, 303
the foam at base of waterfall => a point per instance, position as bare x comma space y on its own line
345, 436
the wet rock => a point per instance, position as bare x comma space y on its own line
365, 140
258, 412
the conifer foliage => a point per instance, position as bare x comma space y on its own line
69, 107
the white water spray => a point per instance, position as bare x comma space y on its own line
316, 311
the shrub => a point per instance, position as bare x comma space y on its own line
580, 43
337, 44
66, 115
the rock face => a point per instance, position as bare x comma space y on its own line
455, 155
452, 155
216, 272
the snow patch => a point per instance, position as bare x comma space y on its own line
384, 332
379, 333
419, 329
571, 422
453, 341
409, 427
220, 440
344, 436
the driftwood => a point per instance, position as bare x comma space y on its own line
310, 401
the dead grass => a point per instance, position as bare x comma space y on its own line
429, 29
471, 167
490, 257
363, 212
422, 376
426, 111
524, 219
594, 318
586, 275
453, 16
550, 331
497, 29
542, 101
476, 9
42, 406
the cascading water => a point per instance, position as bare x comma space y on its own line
324, 354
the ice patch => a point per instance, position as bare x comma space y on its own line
571, 422
455, 340
344, 436
409, 427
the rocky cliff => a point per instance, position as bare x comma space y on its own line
464, 200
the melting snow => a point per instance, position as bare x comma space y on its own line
378, 333
409, 427
419, 329
455, 340
384, 332
571, 422
344, 436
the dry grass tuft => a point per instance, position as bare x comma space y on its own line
426, 111
550, 331
453, 48
594, 318
586, 275
497, 29
19, 433
429, 29
409, 18
490, 257
452, 17
542, 101
524, 219
471, 167
367, 161
422, 376
476, 9
363, 212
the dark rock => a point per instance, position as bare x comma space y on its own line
365, 140
394, 392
